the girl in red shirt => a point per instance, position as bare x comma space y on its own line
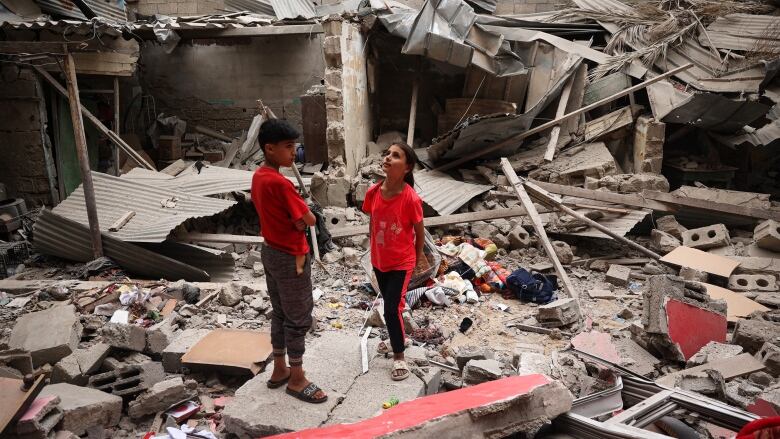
397, 239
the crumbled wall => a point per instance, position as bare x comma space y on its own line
216, 83
23, 164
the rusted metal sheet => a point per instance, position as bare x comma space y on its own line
743, 32
292, 9
445, 194
717, 113
113, 9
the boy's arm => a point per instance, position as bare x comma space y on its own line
307, 220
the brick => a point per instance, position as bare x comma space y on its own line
84, 408
161, 396
129, 380
48, 335
752, 282
618, 275
703, 238
124, 336
767, 235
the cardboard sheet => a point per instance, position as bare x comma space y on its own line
690, 257
739, 306
237, 349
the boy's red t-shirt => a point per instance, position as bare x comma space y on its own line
279, 205
392, 227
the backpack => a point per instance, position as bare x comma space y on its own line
532, 287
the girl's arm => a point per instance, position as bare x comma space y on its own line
419, 245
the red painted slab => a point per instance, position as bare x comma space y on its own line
35, 407
691, 327
417, 411
763, 408
597, 344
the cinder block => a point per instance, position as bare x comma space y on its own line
130, 380
41, 417
618, 275
702, 238
767, 235
752, 282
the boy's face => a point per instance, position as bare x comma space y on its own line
281, 153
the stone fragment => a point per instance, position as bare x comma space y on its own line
468, 353
618, 275
84, 407
258, 269
130, 358
338, 191
649, 136
161, 396
599, 265
124, 336
482, 229
501, 241
663, 242
48, 335
519, 238
602, 294
761, 379
351, 256
559, 313
68, 370
669, 224
230, 295
563, 252
770, 356
713, 351
693, 274
161, 334
704, 382
253, 257
753, 334
15, 363
752, 282
767, 235
635, 183
480, 371
528, 363
708, 237
184, 341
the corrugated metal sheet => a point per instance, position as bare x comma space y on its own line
218, 264
292, 9
766, 135
113, 9
152, 222
443, 193
707, 73
211, 180
622, 224
743, 32
73, 27
714, 112
58, 236
257, 6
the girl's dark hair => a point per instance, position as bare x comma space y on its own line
411, 159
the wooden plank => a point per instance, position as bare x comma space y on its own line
608, 123
255, 31
37, 47
119, 223
525, 200
437, 221
219, 237
606, 86
556, 131
315, 123
742, 364
545, 126
711, 206
607, 197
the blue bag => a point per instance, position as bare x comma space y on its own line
532, 287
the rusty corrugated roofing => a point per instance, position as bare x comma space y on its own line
443, 193
113, 9
152, 222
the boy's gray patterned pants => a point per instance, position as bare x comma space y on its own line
291, 301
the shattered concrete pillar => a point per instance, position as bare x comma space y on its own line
648, 144
334, 100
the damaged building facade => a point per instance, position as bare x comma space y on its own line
599, 183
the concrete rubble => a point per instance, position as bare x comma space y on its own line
588, 205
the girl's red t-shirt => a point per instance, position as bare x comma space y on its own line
392, 227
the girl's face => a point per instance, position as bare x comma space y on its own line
394, 163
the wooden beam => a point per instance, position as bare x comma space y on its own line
413, 109
96, 122
211, 133
556, 131
536, 221
545, 126
711, 206
607, 197
543, 196
115, 154
437, 221
254, 31
83, 156
219, 237
38, 47
119, 223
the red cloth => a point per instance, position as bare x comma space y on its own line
392, 227
279, 205
765, 428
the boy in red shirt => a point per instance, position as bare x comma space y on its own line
284, 217
397, 239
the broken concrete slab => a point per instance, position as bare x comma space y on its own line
255, 411
668, 224
468, 353
770, 356
528, 363
618, 275
494, 409
480, 371
767, 235
161, 396
84, 407
124, 336
160, 335
713, 351
743, 364
68, 370
48, 335
635, 358
184, 341
663, 242
15, 363
753, 334
558, 313
597, 344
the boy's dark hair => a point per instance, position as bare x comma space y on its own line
274, 131
411, 159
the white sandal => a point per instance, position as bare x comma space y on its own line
385, 348
400, 365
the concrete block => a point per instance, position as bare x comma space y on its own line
84, 407
252, 257
161, 396
520, 404
753, 334
714, 351
770, 356
124, 336
703, 238
649, 137
161, 334
468, 353
519, 238
752, 282
670, 225
663, 242
767, 235
184, 341
431, 381
559, 313
331, 48
48, 335
91, 358
230, 295
338, 191
111, 363
618, 275
528, 363
129, 380
68, 370
41, 417
480, 371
